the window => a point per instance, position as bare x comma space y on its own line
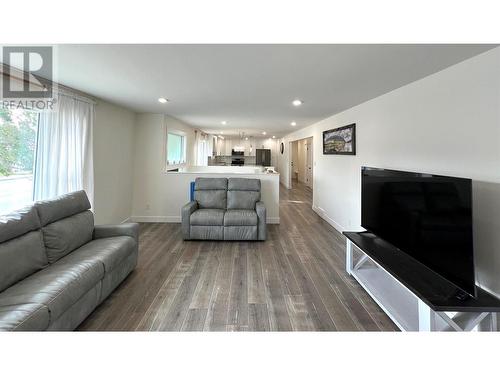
176, 149
18, 140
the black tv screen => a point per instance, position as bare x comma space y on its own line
426, 216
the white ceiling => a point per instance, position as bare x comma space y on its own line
249, 86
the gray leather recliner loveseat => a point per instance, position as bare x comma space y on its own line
56, 267
225, 209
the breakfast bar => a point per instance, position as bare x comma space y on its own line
178, 182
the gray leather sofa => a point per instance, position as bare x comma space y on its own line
56, 267
225, 209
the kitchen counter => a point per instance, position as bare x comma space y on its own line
178, 183
244, 169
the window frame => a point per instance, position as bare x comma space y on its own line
180, 163
35, 153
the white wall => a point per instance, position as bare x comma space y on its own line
447, 123
113, 163
175, 193
151, 188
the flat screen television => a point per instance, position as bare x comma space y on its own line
427, 216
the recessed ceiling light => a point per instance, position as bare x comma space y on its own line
222, 132
264, 133
293, 123
297, 102
246, 138
223, 122
274, 137
163, 100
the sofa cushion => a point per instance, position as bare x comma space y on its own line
63, 206
245, 184
210, 183
76, 313
243, 193
240, 217
112, 279
211, 198
243, 200
64, 236
24, 317
58, 286
21, 257
109, 251
207, 217
211, 192
18, 223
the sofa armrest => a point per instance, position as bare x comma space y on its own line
261, 224
186, 212
127, 229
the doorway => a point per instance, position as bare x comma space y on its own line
301, 162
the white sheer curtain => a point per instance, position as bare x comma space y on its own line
64, 152
203, 149
210, 146
196, 147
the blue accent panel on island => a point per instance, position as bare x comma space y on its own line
191, 191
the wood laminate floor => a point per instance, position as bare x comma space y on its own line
294, 281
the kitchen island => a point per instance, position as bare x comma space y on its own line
178, 191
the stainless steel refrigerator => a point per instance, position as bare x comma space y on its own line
263, 157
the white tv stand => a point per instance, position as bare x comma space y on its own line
414, 297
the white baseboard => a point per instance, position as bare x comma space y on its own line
177, 219
156, 219
328, 219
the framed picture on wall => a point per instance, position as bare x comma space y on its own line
340, 141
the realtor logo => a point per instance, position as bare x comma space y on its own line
27, 72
